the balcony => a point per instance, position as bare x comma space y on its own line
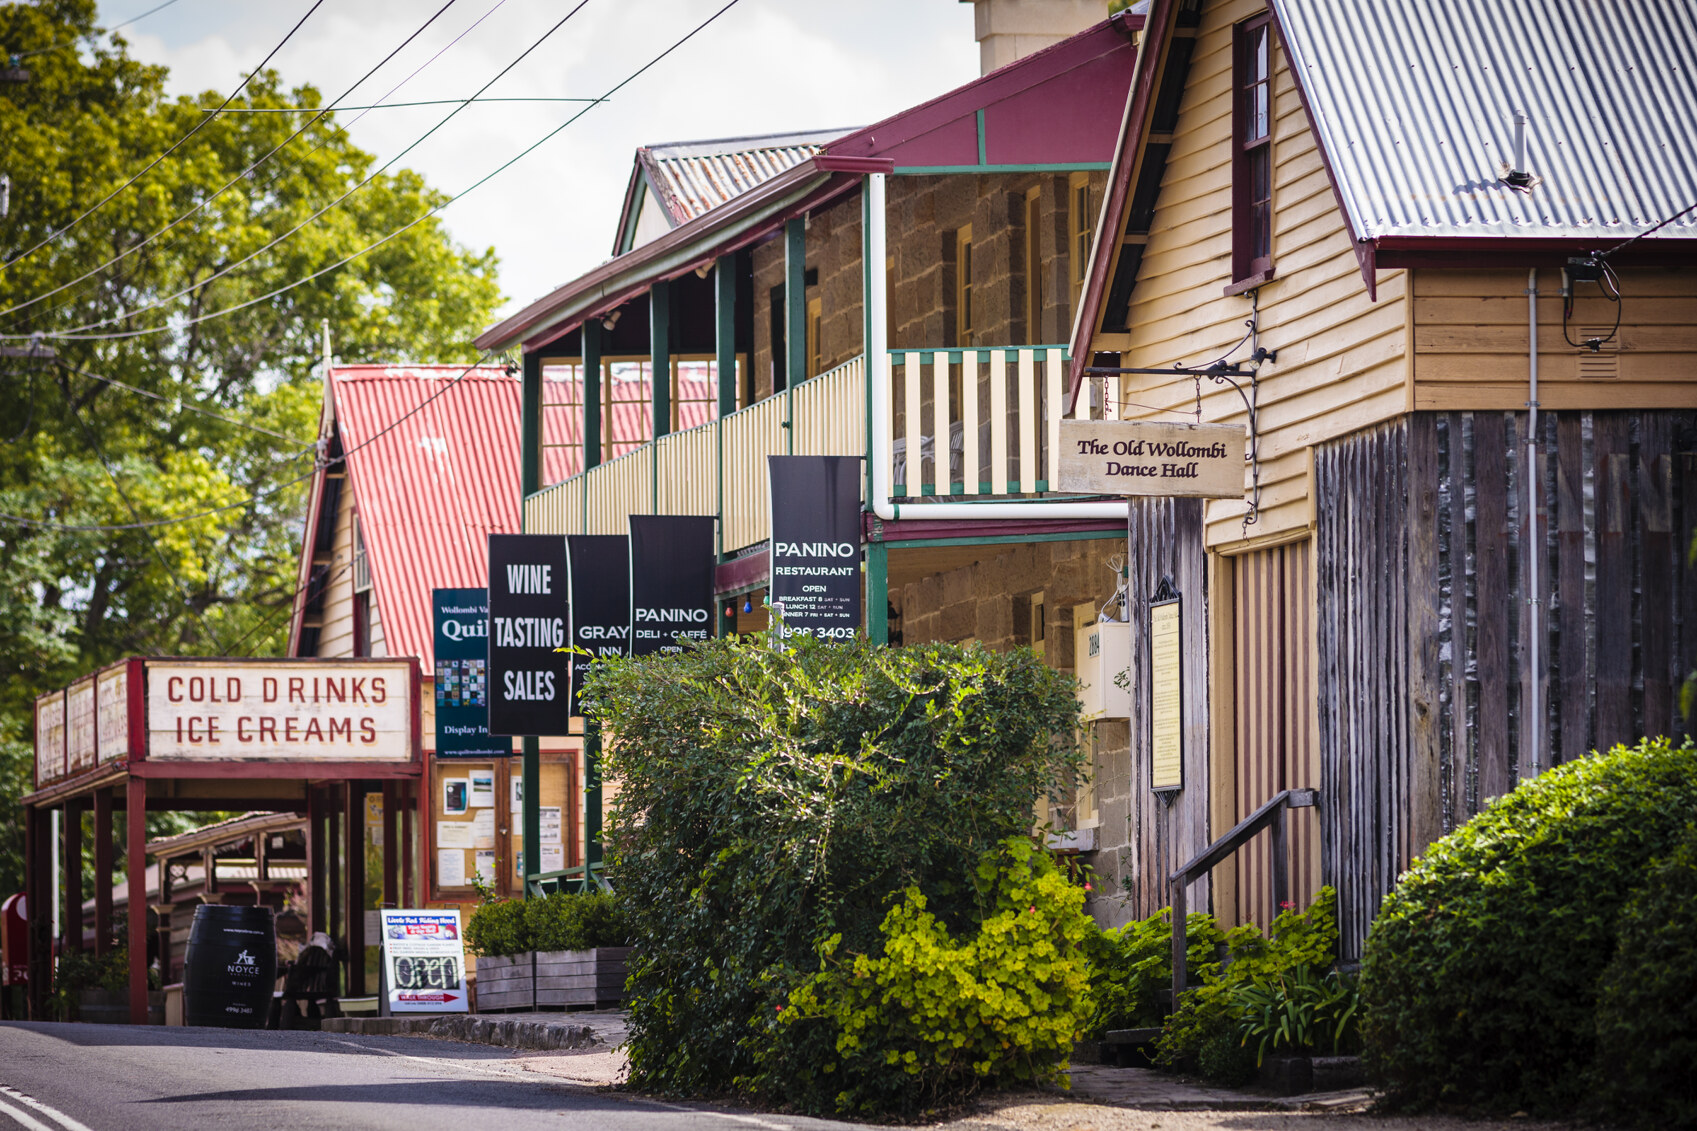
998, 409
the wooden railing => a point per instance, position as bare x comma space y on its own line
718, 468
982, 421
1271, 815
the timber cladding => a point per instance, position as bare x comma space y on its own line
1425, 626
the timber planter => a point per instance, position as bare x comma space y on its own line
552, 979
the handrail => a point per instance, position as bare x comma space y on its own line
586, 874
1271, 814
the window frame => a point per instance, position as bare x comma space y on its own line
963, 287
1081, 232
1034, 265
1248, 269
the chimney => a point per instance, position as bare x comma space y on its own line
1010, 29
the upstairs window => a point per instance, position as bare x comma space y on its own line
1081, 228
1252, 154
963, 287
1034, 266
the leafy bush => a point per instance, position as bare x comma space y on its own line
931, 1018
561, 921
1480, 975
1647, 1002
1206, 1033
1301, 1010
1132, 967
770, 798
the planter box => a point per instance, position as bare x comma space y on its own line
586, 978
1298, 1075
505, 983
555, 979
112, 1007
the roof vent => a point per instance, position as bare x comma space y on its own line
1517, 176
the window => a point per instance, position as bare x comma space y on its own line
562, 420
963, 286
815, 352
1252, 154
1081, 228
695, 392
626, 407
890, 302
1034, 266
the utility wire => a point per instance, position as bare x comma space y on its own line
308, 444
393, 105
176, 145
133, 248
182, 590
1647, 231
81, 333
74, 40
74, 335
276, 622
41, 524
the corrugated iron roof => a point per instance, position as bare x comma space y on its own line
1414, 104
692, 177
429, 491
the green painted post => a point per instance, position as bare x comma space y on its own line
532, 775
530, 426
660, 354
591, 395
795, 303
591, 800
878, 592
725, 331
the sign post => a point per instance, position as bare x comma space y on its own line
423, 962
816, 544
529, 682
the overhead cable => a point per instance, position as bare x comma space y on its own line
76, 39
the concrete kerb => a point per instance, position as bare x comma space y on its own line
504, 1032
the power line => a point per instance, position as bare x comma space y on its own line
74, 40
132, 249
395, 105
80, 333
180, 404
41, 524
276, 622
74, 335
1647, 231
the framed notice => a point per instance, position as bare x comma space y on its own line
1166, 690
423, 962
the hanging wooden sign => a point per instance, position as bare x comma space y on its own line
1139, 457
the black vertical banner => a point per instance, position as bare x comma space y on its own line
816, 543
528, 614
671, 581
462, 675
600, 568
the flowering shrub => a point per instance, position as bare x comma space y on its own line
932, 1017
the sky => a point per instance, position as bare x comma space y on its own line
764, 66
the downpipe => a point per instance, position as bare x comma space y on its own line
1535, 543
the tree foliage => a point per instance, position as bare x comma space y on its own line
89, 118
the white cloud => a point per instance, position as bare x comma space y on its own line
764, 66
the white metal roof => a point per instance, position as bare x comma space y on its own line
690, 177
1415, 105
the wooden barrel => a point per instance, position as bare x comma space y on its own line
230, 967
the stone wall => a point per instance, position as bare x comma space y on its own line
991, 601
833, 254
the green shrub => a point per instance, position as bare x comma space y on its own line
770, 798
1207, 1034
1132, 968
561, 921
1480, 974
1301, 1010
931, 1019
1647, 1002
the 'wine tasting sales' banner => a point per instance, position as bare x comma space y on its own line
528, 680
600, 565
816, 544
671, 581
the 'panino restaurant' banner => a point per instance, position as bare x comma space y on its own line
279, 710
816, 543
671, 581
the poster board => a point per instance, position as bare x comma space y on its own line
424, 964
1166, 695
494, 830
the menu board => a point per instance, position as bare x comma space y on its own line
1166, 707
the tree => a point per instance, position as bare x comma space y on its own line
82, 452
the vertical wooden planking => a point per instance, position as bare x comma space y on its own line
1054, 397
914, 425
1612, 468
1660, 561
1420, 584
942, 426
1490, 477
1028, 422
998, 422
1572, 675
970, 474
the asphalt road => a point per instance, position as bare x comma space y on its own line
99, 1077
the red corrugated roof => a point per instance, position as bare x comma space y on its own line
430, 490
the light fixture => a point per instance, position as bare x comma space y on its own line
747, 605
702, 271
611, 320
